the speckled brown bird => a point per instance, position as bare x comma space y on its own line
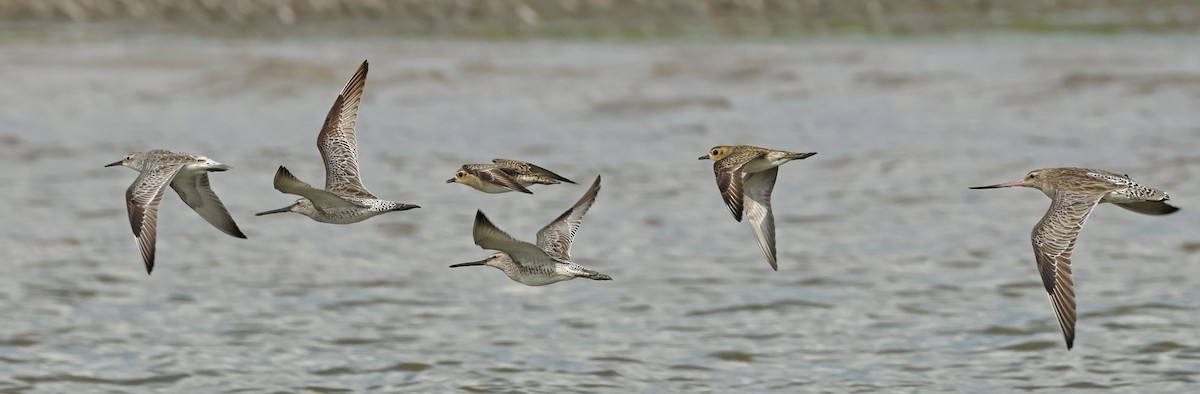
1074, 192
504, 176
746, 176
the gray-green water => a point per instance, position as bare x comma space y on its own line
893, 276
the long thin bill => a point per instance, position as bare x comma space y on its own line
280, 210
1000, 185
480, 262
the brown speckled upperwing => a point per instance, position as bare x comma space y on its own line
338, 143
729, 180
557, 236
1053, 240
524, 168
141, 200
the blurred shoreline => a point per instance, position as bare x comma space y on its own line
629, 19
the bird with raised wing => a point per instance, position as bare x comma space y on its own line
188, 175
537, 265
1074, 192
746, 177
344, 200
504, 176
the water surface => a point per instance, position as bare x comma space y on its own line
893, 276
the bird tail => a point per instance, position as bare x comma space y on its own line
593, 275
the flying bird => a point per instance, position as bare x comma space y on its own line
537, 265
188, 175
746, 176
1073, 193
344, 200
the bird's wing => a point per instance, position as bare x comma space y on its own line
141, 200
729, 182
198, 194
496, 176
556, 237
758, 187
1053, 240
488, 236
338, 143
526, 168
321, 199
1149, 207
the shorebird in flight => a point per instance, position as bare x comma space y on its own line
344, 200
1074, 192
751, 191
188, 175
504, 176
547, 262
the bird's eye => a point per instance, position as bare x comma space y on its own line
715, 152
460, 174
1033, 175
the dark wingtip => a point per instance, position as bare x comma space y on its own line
569, 181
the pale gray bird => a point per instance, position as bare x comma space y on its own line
1073, 193
188, 175
344, 200
547, 262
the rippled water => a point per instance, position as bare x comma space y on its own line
893, 276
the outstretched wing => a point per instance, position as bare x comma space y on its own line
729, 182
488, 236
526, 168
758, 187
1053, 240
556, 237
338, 143
198, 194
141, 200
